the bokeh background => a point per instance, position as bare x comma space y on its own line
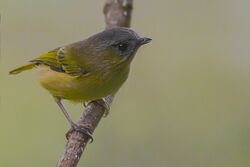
186, 102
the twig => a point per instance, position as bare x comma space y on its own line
117, 13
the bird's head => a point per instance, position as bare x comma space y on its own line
117, 45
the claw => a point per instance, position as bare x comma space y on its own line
104, 103
85, 103
74, 127
83, 130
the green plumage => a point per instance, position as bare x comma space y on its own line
22, 68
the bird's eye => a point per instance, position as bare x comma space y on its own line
122, 47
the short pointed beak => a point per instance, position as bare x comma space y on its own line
144, 40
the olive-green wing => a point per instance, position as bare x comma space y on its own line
60, 60
49, 59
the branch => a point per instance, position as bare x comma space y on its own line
117, 13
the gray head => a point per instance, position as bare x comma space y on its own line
121, 41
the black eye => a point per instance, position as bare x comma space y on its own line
122, 47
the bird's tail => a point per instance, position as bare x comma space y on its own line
22, 68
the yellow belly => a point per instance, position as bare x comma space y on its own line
84, 88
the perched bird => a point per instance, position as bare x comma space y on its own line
89, 69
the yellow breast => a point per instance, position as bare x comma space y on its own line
83, 88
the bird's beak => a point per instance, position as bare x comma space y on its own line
144, 40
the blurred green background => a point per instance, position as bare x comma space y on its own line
186, 102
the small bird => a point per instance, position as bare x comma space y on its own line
87, 70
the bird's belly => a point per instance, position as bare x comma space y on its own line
77, 88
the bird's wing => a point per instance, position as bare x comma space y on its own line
60, 60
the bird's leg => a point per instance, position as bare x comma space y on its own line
72, 124
65, 113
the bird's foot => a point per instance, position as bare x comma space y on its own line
104, 103
81, 129
86, 103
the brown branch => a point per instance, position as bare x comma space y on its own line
117, 13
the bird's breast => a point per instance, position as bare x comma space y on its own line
92, 86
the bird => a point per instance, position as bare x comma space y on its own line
87, 70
